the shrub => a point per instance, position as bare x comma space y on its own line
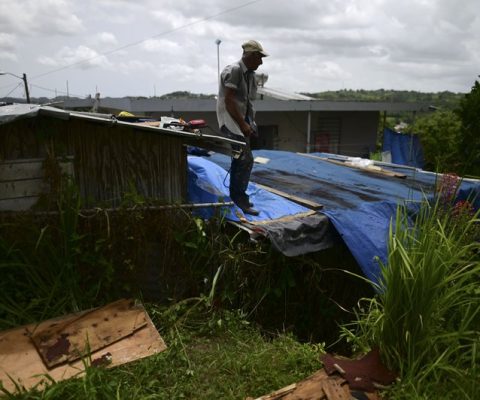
426, 317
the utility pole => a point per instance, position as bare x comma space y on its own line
27, 93
217, 42
24, 79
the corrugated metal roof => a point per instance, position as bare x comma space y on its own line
9, 113
282, 94
140, 106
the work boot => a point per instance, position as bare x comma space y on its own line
250, 210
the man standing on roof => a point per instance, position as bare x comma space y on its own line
236, 117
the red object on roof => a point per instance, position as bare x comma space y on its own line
197, 123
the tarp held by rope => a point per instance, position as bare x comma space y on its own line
405, 149
307, 232
360, 204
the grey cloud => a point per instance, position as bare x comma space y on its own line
30, 17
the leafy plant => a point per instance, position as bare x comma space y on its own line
46, 271
469, 114
426, 316
440, 137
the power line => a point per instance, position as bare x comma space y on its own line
15, 88
229, 10
56, 91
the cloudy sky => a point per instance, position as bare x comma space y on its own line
152, 47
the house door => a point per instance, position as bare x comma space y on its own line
267, 134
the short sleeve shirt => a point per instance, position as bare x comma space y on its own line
236, 76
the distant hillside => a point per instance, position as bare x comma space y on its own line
445, 100
186, 95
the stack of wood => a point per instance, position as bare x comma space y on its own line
319, 386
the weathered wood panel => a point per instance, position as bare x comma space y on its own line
110, 160
21, 188
23, 181
18, 204
21, 169
99, 328
20, 360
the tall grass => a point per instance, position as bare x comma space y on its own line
426, 317
45, 269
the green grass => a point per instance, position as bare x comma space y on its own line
210, 356
426, 317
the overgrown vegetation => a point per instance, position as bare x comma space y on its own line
71, 259
426, 317
441, 139
445, 99
209, 355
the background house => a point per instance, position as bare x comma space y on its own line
348, 128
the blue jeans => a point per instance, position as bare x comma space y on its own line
240, 169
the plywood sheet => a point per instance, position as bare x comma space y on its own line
21, 362
67, 340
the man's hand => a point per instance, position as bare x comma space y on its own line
232, 108
247, 130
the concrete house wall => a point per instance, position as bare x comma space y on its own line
348, 128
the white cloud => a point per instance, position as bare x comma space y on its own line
106, 38
7, 41
7, 46
31, 17
82, 57
314, 44
134, 66
163, 46
6, 55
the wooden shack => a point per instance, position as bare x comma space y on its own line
107, 158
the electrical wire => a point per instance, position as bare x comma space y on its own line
15, 88
132, 44
56, 91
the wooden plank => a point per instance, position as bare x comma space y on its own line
18, 204
66, 340
278, 394
24, 188
284, 219
20, 360
374, 169
15, 170
304, 202
334, 391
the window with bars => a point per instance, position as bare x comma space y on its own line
326, 135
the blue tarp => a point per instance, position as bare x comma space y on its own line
208, 183
404, 149
360, 204
306, 232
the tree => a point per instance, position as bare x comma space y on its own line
469, 114
440, 136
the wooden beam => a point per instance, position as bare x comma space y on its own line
304, 202
374, 169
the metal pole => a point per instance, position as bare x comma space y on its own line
309, 130
27, 94
218, 41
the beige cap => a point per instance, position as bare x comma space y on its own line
252, 46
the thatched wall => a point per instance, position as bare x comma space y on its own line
108, 160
